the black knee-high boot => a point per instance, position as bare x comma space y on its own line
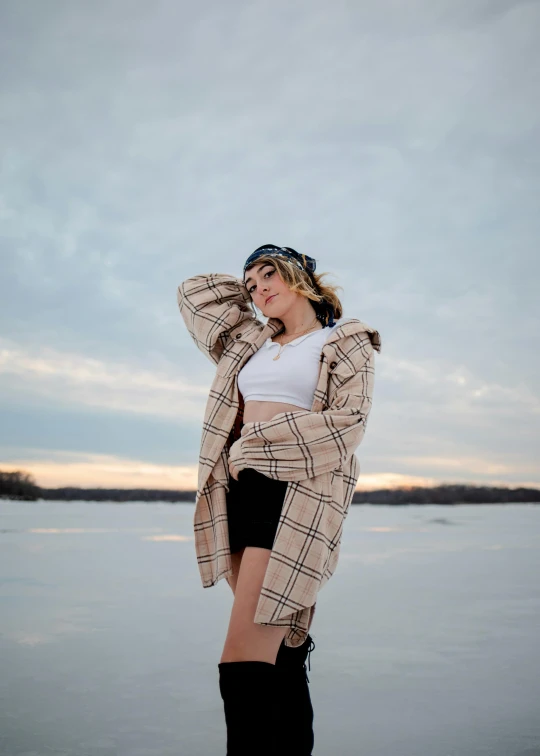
250, 698
296, 719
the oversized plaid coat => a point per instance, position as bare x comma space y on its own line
311, 449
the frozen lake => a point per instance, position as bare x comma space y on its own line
427, 635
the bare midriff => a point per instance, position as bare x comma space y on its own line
255, 411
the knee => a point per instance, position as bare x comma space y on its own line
237, 649
254, 644
232, 654
240, 646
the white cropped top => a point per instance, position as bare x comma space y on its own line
291, 379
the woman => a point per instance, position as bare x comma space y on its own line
277, 471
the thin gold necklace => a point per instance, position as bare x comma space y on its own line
278, 355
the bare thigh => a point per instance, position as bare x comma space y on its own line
246, 640
236, 562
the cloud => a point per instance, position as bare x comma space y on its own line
65, 468
455, 388
68, 378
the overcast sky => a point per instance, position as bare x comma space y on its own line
142, 143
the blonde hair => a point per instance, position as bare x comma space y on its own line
301, 283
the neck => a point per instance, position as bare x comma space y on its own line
300, 319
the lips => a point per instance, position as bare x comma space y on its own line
271, 298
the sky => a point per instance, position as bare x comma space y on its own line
143, 143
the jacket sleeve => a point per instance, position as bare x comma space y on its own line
300, 444
211, 304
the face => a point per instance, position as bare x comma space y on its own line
263, 281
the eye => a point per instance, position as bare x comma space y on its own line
270, 272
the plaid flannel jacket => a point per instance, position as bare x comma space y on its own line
311, 449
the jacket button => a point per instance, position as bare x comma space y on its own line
237, 335
333, 365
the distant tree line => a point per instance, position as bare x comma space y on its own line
18, 485
448, 493
21, 485
115, 494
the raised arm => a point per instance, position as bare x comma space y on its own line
211, 304
301, 444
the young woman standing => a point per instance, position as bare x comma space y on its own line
276, 477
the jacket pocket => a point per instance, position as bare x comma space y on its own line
338, 374
240, 340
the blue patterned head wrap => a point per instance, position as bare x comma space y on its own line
323, 309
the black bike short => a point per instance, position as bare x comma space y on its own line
254, 504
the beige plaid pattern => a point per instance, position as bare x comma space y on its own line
311, 449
